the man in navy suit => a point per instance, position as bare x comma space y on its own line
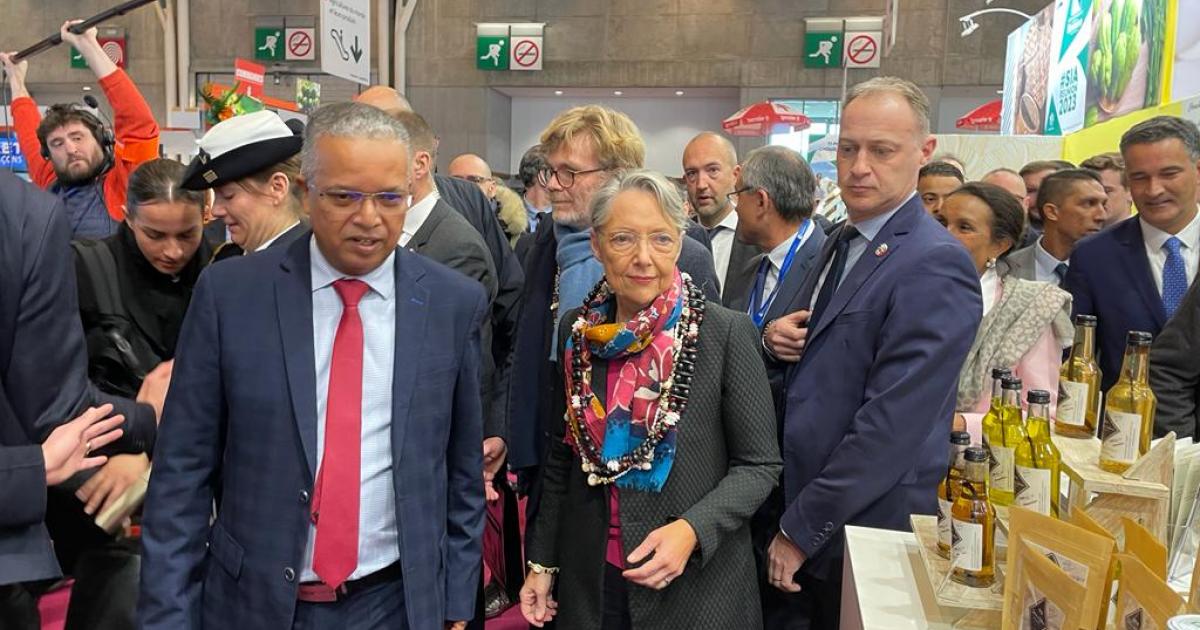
775, 196
893, 311
328, 396
1133, 275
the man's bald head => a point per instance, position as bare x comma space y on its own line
473, 168
385, 98
710, 172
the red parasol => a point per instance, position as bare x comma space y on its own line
986, 117
758, 119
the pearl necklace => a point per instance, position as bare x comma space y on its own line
672, 398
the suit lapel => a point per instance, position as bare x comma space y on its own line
293, 304
808, 256
804, 297
1137, 266
897, 226
412, 299
425, 232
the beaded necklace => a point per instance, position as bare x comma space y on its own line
672, 399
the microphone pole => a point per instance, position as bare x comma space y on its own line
103, 16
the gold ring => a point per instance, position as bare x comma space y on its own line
87, 448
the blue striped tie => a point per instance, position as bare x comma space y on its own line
1175, 282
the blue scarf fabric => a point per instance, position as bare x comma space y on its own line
578, 272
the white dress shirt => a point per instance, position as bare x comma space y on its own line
777, 256
276, 237
416, 215
1045, 263
721, 238
377, 529
867, 231
989, 282
1155, 238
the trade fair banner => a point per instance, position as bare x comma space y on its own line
1185, 71
1069, 66
1126, 64
1026, 77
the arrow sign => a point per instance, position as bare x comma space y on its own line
346, 30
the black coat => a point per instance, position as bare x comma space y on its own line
1175, 370
726, 462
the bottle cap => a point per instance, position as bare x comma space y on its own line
1085, 320
1010, 382
1001, 372
1038, 397
1139, 338
976, 454
961, 438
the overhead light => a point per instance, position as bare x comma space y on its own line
678, 92
969, 25
617, 92
558, 92
87, 88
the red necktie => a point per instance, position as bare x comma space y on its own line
335, 499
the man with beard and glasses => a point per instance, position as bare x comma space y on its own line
71, 153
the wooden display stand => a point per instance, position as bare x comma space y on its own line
949, 593
1142, 494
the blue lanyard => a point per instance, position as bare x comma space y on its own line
758, 306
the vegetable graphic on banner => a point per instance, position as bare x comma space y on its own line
1069, 70
1125, 69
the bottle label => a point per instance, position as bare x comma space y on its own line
1001, 468
1032, 488
943, 522
1122, 435
1072, 403
966, 550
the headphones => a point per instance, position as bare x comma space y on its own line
103, 134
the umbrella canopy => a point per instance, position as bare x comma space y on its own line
986, 117
758, 119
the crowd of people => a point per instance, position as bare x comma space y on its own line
369, 395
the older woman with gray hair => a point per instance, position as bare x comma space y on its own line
667, 445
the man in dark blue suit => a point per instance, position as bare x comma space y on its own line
1133, 275
775, 196
329, 395
894, 309
43, 383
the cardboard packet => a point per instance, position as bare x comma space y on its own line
1083, 555
1040, 595
1146, 546
1084, 520
1145, 601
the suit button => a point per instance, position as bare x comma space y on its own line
828, 526
289, 574
304, 497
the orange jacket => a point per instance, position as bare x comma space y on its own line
136, 134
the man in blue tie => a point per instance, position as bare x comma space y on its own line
1133, 276
1072, 205
892, 303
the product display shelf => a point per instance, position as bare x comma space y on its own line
949, 593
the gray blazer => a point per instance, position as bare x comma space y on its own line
1022, 263
727, 461
1175, 370
448, 238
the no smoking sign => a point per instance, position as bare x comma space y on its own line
525, 53
300, 44
863, 49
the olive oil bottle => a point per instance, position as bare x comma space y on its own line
973, 525
1079, 384
992, 418
949, 488
1129, 408
1003, 440
1035, 485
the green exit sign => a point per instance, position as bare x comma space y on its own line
269, 44
823, 50
491, 52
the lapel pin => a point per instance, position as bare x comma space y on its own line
881, 251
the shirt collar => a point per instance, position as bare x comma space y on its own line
729, 222
419, 212
1156, 238
287, 229
381, 279
779, 254
532, 209
870, 228
1044, 259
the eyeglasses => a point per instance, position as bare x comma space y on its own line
625, 242
474, 179
732, 197
565, 176
386, 202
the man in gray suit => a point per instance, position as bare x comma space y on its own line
1175, 371
1072, 205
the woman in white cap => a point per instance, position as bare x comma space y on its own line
251, 162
